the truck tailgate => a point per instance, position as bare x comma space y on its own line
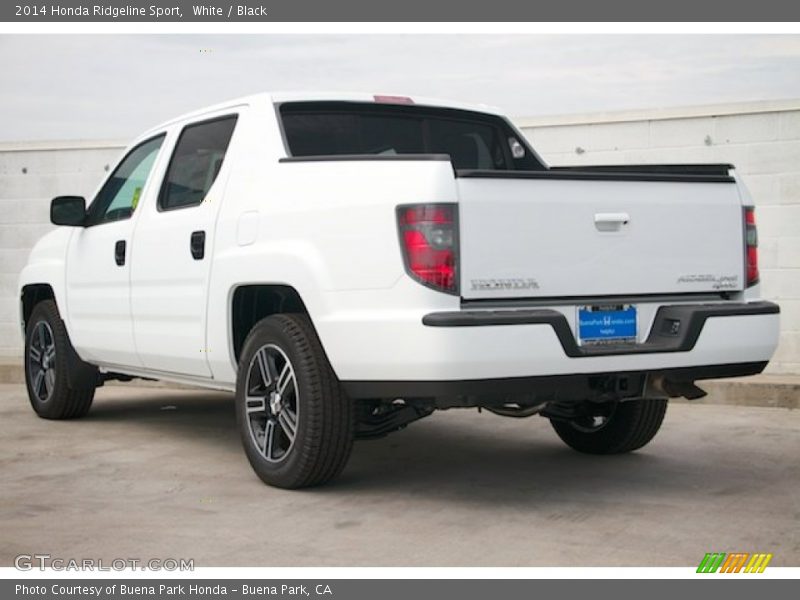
563, 235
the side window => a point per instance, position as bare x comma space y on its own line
195, 163
119, 196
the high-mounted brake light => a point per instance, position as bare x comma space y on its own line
429, 241
392, 99
751, 246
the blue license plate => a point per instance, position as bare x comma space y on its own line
606, 324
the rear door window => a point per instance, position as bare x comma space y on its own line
195, 163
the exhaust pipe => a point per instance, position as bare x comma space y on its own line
659, 385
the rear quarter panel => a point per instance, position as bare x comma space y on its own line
321, 227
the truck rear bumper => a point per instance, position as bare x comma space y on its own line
689, 319
562, 387
465, 347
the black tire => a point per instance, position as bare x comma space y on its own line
322, 415
60, 385
630, 426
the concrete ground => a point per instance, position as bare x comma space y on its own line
159, 473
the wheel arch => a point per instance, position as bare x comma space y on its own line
249, 303
32, 294
44, 275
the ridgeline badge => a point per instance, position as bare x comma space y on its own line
497, 285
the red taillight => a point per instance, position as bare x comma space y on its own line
751, 245
429, 240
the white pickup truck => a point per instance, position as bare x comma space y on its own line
349, 264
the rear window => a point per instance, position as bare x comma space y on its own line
473, 140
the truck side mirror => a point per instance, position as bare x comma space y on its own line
68, 210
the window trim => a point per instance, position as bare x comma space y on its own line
91, 211
162, 190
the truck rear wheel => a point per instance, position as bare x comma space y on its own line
627, 427
296, 423
60, 385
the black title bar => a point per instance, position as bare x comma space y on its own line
175, 11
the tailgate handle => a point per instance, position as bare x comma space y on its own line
611, 221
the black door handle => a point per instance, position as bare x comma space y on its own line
119, 252
198, 244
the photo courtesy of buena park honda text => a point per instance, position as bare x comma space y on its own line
355, 300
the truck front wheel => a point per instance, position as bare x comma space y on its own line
60, 385
296, 423
626, 427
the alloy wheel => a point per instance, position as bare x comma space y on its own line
42, 361
272, 403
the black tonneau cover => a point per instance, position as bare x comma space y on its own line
699, 173
676, 169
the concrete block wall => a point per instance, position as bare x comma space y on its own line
761, 139
31, 174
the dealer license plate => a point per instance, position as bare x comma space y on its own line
607, 324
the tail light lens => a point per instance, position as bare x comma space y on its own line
751, 246
429, 241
